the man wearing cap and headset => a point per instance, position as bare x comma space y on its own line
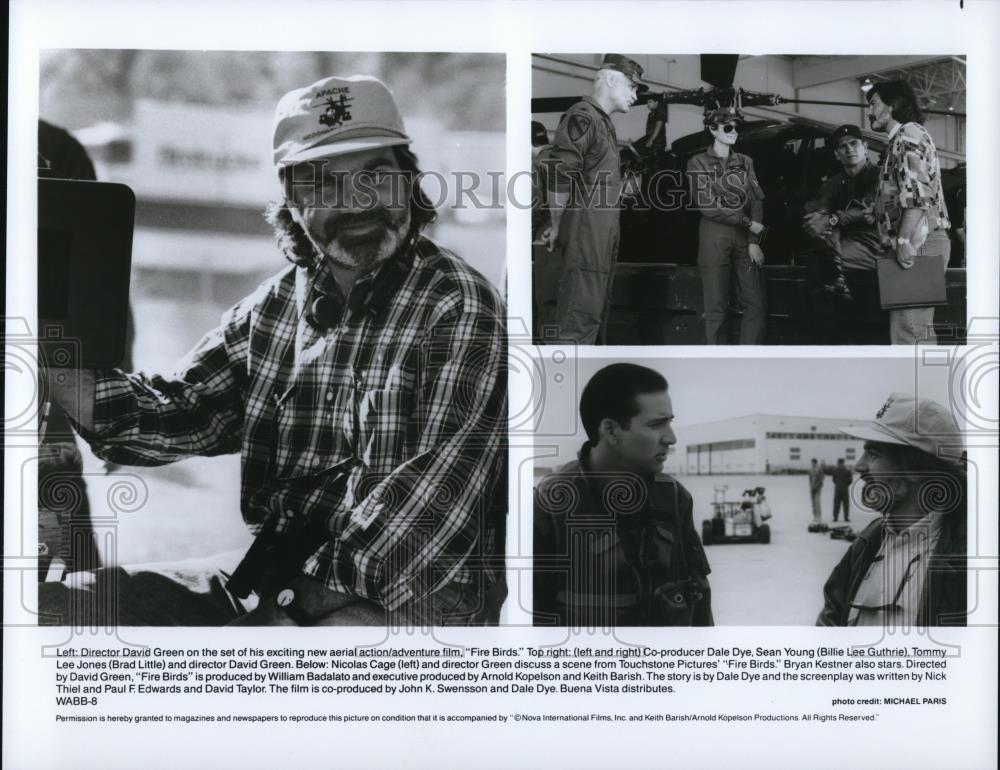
363, 386
725, 191
908, 567
584, 177
840, 220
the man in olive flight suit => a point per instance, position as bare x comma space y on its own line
725, 191
584, 177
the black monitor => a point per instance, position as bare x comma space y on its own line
84, 263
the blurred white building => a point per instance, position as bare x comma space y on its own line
762, 443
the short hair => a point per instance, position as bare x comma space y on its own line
840, 460
295, 244
611, 394
815, 460
900, 97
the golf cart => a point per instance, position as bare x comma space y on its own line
738, 521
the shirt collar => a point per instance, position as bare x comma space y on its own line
930, 524
593, 102
895, 131
372, 291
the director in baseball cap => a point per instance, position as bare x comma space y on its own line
907, 568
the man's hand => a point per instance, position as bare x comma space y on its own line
267, 613
550, 237
315, 599
856, 217
756, 254
756, 228
816, 223
905, 254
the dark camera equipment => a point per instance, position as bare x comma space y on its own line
276, 557
84, 263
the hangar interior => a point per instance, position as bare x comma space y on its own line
939, 82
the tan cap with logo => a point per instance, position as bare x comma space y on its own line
920, 423
336, 116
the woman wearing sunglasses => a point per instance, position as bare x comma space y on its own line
724, 189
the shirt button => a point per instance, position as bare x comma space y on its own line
329, 395
290, 513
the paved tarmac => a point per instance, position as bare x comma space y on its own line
780, 583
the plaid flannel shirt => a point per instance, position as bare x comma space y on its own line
409, 385
909, 178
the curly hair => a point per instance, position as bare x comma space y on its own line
901, 98
295, 244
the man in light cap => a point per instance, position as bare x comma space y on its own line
725, 191
907, 568
585, 184
364, 388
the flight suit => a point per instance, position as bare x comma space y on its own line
727, 194
583, 162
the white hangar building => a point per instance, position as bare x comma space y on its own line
763, 443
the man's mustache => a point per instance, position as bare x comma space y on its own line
343, 221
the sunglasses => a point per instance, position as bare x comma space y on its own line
728, 128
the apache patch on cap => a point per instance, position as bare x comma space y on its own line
336, 116
888, 402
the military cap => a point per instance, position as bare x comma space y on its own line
722, 115
629, 68
846, 130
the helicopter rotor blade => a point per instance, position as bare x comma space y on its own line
719, 69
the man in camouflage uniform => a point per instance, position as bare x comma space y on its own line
584, 177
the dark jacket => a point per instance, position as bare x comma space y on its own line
944, 600
617, 551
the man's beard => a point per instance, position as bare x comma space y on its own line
367, 250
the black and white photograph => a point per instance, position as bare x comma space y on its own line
728, 199
676, 496
331, 451
366, 403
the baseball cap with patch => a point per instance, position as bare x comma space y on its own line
843, 132
919, 423
336, 116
